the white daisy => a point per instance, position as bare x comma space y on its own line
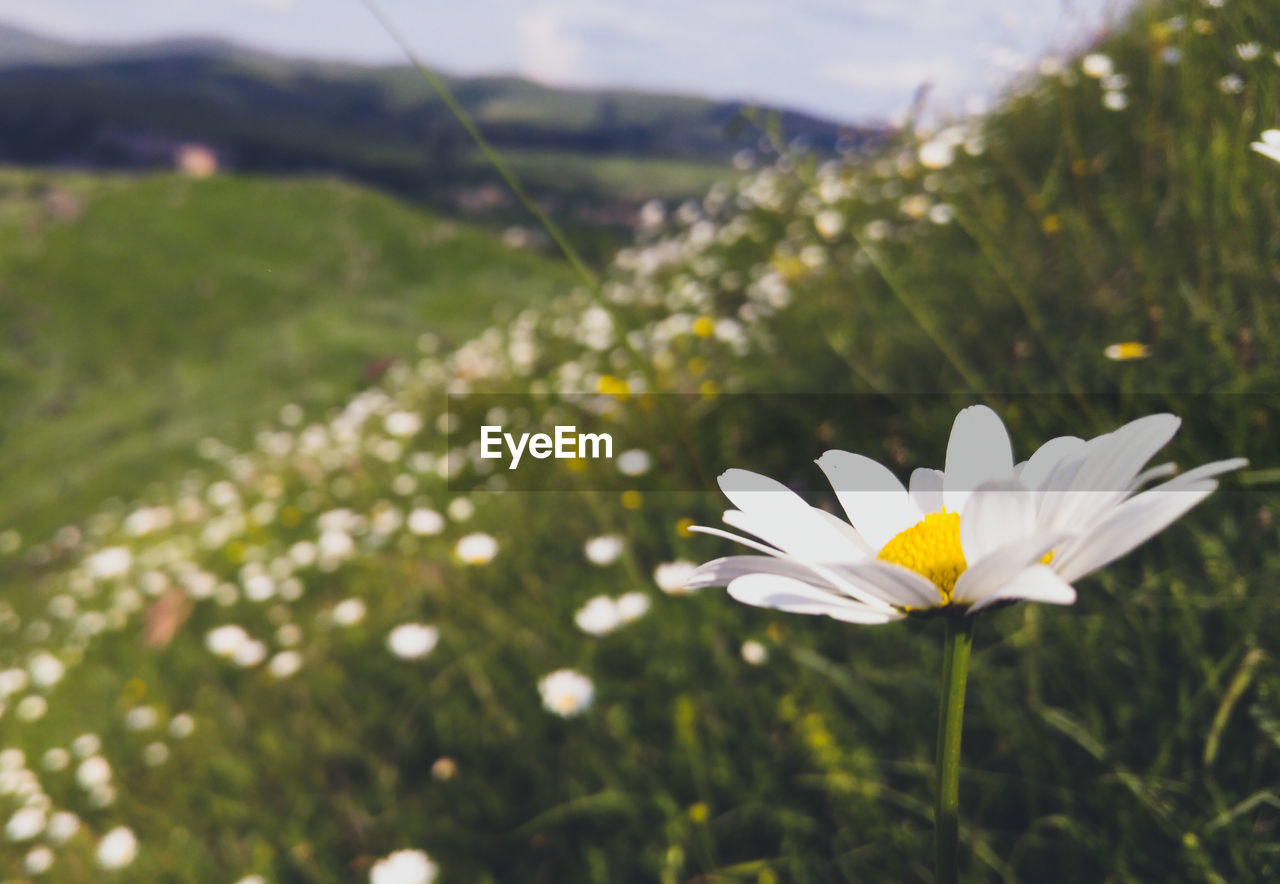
566, 692
981, 531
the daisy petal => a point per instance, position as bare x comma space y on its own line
837, 583
795, 597
1035, 584
901, 587
990, 573
978, 450
926, 489
722, 571
1206, 471
1128, 525
873, 498
997, 513
1041, 464
1110, 464
771, 510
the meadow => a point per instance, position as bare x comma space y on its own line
297, 624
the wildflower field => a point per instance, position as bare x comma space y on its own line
306, 632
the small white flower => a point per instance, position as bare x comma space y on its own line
182, 726
425, 522
754, 653
1115, 101
225, 640
62, 826
404, 867
632, 606
633, 462
109, 563
1097, 65
937, 154
603, 550
673, 577
93, 771
1231, 84
155, 754
477, 549
25, 824
599, 616
285, 664
37, 861
412, 641
566, 693
117, 848
249, 654
85, 745
349, 612
141, 718
46, 670
402, 424
32, 708
1248, 51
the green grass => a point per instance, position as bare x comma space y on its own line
172, 309
1132, 737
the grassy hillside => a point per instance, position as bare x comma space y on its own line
141, 314
231, 682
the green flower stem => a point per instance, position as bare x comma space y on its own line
946, 802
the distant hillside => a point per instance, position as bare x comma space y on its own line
131, 106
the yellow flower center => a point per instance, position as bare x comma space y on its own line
931, 548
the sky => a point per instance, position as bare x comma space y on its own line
849, 60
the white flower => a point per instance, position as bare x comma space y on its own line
754, 653
632, 606
225, 640
37, 861
1269, 146
410, 641
62, 826
25, 824
603, 550
402, 423
982, 531
285, 664
404, 867
477, 549
633, 462
599, 616
425, 522
93, 771
114, 561
182, 726
1097, 65
1115, 100
349, 612
673, 577
249, 654
566, 692
117, 848
46, 669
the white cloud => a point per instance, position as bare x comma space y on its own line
882, 76
549, 50
274, 5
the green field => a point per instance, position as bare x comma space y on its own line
1133, 736
143, 314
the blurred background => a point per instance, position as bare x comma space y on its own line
266, 615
